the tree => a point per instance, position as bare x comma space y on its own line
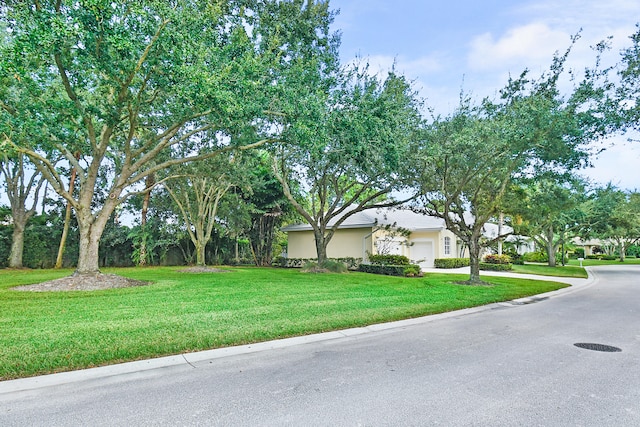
137, 87
628, 92
268, 209
548, 209
472, 157
21, 184
197, 191
347, 149
615, 216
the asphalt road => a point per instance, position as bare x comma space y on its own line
505, 365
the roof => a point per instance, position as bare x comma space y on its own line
398, 217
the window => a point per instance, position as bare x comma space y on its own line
447, 245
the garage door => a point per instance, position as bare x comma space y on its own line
422, 254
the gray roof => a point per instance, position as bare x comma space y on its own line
398, 217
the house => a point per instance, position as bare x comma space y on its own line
419, 237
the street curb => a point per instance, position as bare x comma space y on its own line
191, 359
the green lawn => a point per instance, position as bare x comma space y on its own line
595, 262
181, 312
545, 270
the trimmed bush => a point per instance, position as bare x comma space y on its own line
413, 270
410, 270
535, 257
451, 262
389, 260
351, 263
329, 266
495, 267
601, 257
497, 259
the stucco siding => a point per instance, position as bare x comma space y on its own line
345, 243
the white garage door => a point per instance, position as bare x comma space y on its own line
422, 254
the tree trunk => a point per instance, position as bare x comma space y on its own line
67, 218
622, 251
17, 244
200, 253
550, 247
149, 183
91, 230
321, 247
88, 259
474, 261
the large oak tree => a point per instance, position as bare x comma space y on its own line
472, 156
137, 87
348, 147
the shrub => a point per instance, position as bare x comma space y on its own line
410, 270
451, 262
351, 263
329, 266
535, 257
601, 257
413, 270
334, 266
388, 259
495, 267
497, 259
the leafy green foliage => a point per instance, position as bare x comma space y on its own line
139, 87
451, 262
497, 259
347, 147
405, 270
495, 267
470, 159
388, 259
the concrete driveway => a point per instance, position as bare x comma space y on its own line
508, 364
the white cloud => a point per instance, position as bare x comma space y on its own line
618, 164
520, 47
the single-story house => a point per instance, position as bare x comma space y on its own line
375, 231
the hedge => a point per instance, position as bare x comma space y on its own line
497, 259
495, 267
389, 259
601, 257
351, 263
391, 270
451, 262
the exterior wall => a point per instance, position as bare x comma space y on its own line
350, 242
356, 242
420, 244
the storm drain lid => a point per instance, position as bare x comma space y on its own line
597, 347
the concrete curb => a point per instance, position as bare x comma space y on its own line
190, 359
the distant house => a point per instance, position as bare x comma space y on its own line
419, 237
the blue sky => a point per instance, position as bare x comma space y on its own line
447, 46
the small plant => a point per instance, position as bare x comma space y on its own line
413, 271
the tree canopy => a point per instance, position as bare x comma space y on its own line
471, 158
349, 150
136, 87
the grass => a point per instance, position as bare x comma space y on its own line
545, 270
595, 262
58, 331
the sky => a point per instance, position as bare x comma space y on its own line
445, 47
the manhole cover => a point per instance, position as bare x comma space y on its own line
597, 347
